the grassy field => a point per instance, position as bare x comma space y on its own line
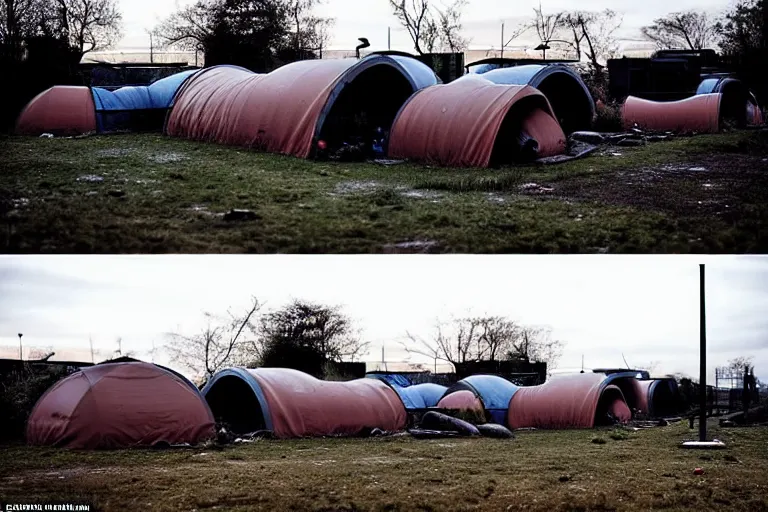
152, 194
545, 471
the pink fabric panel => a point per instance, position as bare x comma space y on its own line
565, 401
60, 110
457, 124
117, 406
277, 112
700, 113
303, 406
461, 400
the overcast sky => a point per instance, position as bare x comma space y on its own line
644, 308
370, 18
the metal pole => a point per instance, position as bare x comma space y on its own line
21, 357
389, 38
702, 358
502, 40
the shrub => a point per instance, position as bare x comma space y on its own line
19, 392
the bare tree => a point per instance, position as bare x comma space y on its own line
311, 32
593, 34
455, 342
432, 28
189, 27
416, 17
223, 342
450, 27
20, 19
546, 25
536, 344
741, 364
498, 335
324, 331
689, 30
90, 25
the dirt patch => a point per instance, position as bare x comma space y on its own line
167, 158
711, 187
355, 187
115, 152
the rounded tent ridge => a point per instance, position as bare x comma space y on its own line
137, 107
700, 113
473, 122
61, 110
67, 110
738, 103
494, 393
462, 400
415, 397
120, 405
290, 109
294, 404
569, 96
572, 401
659, 397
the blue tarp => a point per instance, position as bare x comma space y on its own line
420, 396
414, 396
114, 108
494, 391
391, 378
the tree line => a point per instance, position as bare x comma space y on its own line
592, 34
307, 336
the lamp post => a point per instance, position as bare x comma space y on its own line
702, 358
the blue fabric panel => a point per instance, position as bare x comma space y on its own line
494, 391
420, 396
161, 93
391, 378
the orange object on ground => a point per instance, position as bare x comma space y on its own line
473, 122
120, 405
60, 110
293, 404
700, 114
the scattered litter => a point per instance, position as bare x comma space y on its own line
698, 471
389, 162
167, 158
631, 142
588, 137
697, 169
535, 188
244, 215
616, 154
46, 135
353, 187
422, 245
20, 202
421, 194
91, 178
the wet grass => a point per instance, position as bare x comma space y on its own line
561, 471
152, 194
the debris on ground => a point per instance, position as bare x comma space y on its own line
90, 178
535, 189
46, 135
495, 430
240, 215
588, 137
414, 245
116, 193
388, 162
438, 421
